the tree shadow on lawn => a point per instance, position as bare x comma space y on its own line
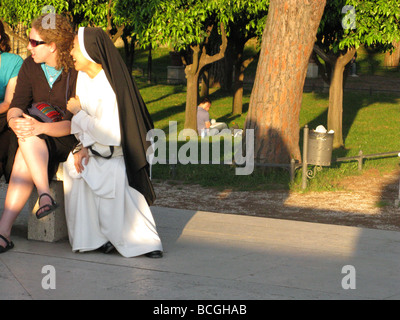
175, 90
227, 116
171, 112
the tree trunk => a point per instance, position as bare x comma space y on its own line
228, 69
220, 72
192, 71
240, 67
275, 101
149, 66
335, 111
392, 59
237, 103
238, 76
191, 101
205, 84
217, 74
129, 47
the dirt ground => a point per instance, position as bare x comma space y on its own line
367, 201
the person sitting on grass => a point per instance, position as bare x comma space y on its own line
203, 117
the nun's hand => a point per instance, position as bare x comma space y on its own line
74, 105
81, 158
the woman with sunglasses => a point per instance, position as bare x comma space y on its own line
9, 67
47, 76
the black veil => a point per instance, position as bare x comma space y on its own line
134, 118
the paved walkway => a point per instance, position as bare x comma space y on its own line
213, 256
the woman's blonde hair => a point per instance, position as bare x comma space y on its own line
61, 33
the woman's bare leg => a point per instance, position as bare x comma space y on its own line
36, 155
19, 189
30, 168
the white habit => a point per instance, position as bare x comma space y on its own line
99, 203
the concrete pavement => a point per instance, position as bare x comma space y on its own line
213, 256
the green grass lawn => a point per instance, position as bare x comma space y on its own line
371, 123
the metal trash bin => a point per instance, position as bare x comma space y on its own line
320, 147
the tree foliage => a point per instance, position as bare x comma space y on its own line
352, 23
377, 22
81, 13
159, 22
248, 16
179, 23
91, 12
182, 25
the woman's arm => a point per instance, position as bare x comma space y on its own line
24, 126
52, 129
10, 89
17, 123
13, 115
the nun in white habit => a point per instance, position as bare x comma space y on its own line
106, 183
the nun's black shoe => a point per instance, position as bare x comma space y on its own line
155, 254
107, 247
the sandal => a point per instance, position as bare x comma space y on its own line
9, 245
49, 207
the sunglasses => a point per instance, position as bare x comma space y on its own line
35, 43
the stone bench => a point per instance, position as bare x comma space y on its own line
54, 226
